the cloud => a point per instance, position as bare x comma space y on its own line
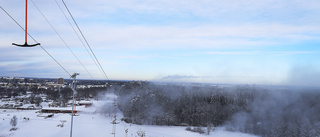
216, 79
233, 53
193, 77
261, 52
116, 30
101, 32
201, 37
303, 75
294, 52
205, 8
140, 57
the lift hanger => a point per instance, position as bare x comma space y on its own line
26, 32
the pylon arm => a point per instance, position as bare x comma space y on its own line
74, 75
26, 45
114, 122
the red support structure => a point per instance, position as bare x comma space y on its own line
75, 102
115, 113
114, 122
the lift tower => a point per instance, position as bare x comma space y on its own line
74, 76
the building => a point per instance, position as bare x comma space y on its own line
57, 110
85, 103
60, 80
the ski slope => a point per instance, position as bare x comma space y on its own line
91, 123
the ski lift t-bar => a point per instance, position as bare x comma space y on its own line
26, 32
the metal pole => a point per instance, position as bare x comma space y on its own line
73, 90
115, 118
26, 20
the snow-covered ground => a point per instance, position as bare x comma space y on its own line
89, 123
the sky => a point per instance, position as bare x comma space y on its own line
269, 42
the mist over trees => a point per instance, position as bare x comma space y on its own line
183, 105
264, 111
281, 112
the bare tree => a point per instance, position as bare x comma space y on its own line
13, 122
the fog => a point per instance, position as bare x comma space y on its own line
303, 76
259, 110
281, 112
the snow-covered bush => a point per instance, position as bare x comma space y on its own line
199, 130
13, 122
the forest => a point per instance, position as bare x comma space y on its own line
260, 110
275, 111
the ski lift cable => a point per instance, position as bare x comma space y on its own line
61, 38
78, 36
105, 75
85, 40
35, 41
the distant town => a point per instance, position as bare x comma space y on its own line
29, 93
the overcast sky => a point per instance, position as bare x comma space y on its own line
231, 41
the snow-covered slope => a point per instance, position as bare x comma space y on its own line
89, 123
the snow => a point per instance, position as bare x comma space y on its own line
89, 123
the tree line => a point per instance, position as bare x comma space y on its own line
183, 105
265, 111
